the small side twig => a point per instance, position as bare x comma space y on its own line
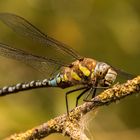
70, 126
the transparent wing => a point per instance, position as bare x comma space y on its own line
25, 28
43, 64
124, 73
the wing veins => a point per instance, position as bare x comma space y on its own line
21, 55
12, 21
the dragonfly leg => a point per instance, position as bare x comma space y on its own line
80, 95
69, 92
93, 91
89, 93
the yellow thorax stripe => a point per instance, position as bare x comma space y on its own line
92, 73
75, 76
65, 77
84, 70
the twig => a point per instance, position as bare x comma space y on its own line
70, 126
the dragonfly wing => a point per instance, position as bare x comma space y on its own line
25, 28
44, 65
124, 73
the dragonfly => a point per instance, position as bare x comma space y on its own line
86, 73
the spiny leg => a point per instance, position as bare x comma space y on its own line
80, 95
69, 92
93, 91
89, 93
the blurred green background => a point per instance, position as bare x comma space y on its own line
106, 30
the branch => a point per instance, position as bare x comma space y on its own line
70, 126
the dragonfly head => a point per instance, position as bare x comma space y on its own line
105, 74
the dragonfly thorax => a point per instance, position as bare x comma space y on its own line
105, 74
87, 71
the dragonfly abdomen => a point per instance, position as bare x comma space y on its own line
27, 86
